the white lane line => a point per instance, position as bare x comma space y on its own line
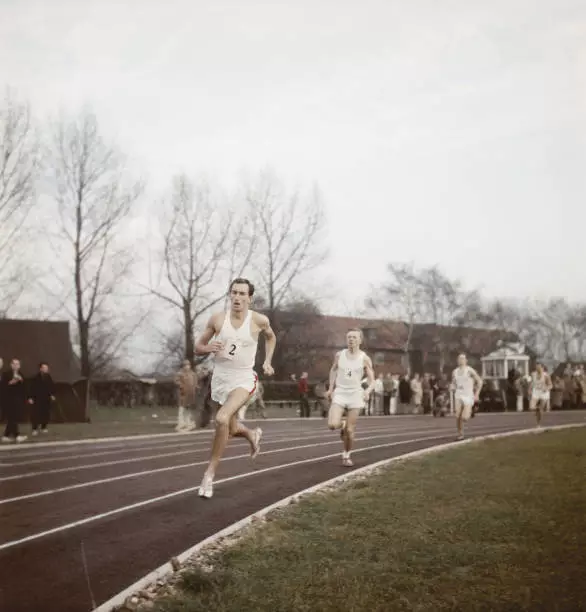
132, 449
197, 445
153, 500
44, 460
298, 420
118, 448
165, 570
182, 466
118, 439
102, 464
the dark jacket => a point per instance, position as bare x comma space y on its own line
13, 395
42, 388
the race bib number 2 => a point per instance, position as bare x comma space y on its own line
230, 351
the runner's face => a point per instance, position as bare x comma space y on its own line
353, 339
239, 297
461, 361
539, 368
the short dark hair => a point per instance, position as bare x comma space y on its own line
243, 281
42, 363
355, 329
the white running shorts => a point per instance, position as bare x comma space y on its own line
538, 396
223, 383
463, 406
350, 400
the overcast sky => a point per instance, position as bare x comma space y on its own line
447, 132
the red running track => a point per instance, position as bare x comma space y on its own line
133, 505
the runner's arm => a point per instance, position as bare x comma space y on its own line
202, 346
270, 336
478, 380
548, 382
333, 372
369, 374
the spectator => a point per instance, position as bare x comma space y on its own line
379, 389
416, 393
580, 389
394, 394
203, 397
320, 394
557, 393
256, 403
427, 393
387, 393
303, 388
187, 383
14, 401
42, 395
404, 391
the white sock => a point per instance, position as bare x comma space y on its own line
345, 455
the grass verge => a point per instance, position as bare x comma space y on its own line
118, 421
499, 526
110, 422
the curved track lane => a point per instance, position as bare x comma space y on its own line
134, 505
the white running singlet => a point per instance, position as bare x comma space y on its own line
234, 365
539, 390
348, 391
464, 381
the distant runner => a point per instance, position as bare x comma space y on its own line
346, 390
540, 392
467, 385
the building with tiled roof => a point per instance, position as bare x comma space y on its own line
308, 342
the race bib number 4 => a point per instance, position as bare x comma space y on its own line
348, 373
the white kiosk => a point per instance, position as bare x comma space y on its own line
508, 355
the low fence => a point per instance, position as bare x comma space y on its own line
118, 393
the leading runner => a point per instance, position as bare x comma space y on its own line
234, 381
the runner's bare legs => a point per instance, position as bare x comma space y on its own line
239, 430
538, 407
348, 431
236, 399
459, 418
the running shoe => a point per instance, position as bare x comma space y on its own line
206, 489
257, 439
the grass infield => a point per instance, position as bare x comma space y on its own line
113, 422
498, 526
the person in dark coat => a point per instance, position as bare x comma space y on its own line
404, 390
41, 397
205, 407
13, 400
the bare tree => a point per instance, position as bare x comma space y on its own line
289, 231
95, 198
401, 298
447, 305
563, 326
205, 243
19, 165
